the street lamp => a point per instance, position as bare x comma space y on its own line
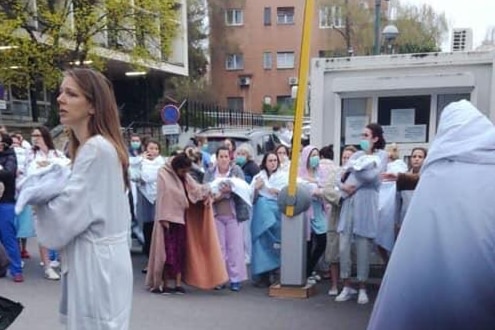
378, 19
390, 33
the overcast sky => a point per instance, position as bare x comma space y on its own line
475, 14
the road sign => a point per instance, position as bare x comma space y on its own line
170, 114
173, 129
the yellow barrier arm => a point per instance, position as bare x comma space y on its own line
300, 101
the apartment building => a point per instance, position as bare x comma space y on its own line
134, 91
255, 47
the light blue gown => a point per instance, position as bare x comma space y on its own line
266, 236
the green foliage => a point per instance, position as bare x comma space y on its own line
194, 86
421, 28
63, 33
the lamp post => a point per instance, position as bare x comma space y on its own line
390, 33
378, 19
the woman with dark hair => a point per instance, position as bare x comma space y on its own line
360, 182
406, 182
42, 153
230, 213
283, 154
151, 162
197, 172
230, 144
266, 222
8, 236
184, 240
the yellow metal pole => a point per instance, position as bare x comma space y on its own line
300, 100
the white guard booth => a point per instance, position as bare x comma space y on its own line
403, 93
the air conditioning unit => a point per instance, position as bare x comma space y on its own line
292, 81
244, 81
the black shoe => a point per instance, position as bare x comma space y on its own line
167, 290
220, 287
144, 270
157, 291
179, 290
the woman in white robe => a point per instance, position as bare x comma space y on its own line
89, 221
440, 274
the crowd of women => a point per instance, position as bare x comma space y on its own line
194, 217
18, 158
187, 227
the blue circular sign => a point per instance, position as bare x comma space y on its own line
170, 114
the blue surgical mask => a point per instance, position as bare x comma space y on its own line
240, 160
314, 161
204, 147
364, 145
135, 145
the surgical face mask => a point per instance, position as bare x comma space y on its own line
240, 160
135, 145
204, 147
365, 145
314, 161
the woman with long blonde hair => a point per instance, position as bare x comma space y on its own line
89, 220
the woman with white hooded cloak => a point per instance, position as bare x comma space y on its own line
440, 275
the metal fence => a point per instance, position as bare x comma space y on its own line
203, 115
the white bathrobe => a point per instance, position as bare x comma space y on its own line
89, 221
441, 272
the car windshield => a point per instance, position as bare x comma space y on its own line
215, 142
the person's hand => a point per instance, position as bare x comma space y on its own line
317, 192
208, 200
165, 224
389, 176
146, 155
259, 183
42, 163
348, 189
225, 188
273, 191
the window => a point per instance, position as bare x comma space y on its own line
234, 17
267, 60
234, 62
267, 16
285, 60
285, 15
235, 103
285, 102
356, 114
405, 119
331, 17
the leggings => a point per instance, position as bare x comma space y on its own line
315, 251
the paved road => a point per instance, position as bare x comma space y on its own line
216, 310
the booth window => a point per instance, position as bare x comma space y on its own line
405, 119
356, 114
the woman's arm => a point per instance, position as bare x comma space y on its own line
69, 214
407, 181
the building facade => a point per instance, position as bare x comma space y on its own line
133, 89
255, 47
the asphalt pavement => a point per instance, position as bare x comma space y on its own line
249, 309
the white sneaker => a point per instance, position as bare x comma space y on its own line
362, 297
316, 276
54, 264
311, 281
345, 294
52, 275
333, 292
